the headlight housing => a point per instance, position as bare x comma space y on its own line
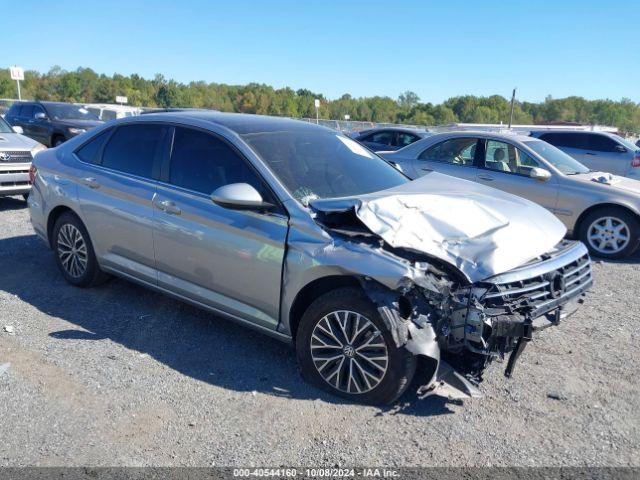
77, 131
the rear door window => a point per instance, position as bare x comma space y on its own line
135, 149
456, 151
14, 111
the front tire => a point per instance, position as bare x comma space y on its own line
74, 252
344, 348
610, 233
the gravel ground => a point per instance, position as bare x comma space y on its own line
119, 375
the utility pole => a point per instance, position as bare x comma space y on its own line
513, 100
317, 104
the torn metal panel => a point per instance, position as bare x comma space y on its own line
451, 384
480, 230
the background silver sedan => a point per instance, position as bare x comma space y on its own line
600, 209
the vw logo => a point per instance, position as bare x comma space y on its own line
349, 351
4, 157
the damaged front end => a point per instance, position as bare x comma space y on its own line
469, 295
463, 328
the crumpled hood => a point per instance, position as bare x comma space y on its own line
480, 230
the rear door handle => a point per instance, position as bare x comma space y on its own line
90, 182
589, 153
168, 206
488, 178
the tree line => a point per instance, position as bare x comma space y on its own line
85, 85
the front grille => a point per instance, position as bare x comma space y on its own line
543, 292
14, 184
15, 156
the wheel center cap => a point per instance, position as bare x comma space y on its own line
349, 351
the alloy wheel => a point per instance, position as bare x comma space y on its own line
72, 250
349, 352
608, 235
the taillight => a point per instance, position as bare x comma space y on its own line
32, 174
635, 163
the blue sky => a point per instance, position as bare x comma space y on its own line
437, 49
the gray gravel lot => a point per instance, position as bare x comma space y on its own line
119, 375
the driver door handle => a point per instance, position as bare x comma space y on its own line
426, 169
167, 206
483, 176
90, 182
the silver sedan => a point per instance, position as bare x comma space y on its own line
601, 209
303, 234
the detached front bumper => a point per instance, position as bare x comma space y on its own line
508, 308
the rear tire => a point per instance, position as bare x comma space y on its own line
74, 252
370, 368
610, 233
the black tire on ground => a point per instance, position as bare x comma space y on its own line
91, 274
57, 141
401, 363
633, 227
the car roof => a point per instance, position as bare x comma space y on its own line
240, 123
567, 132
394, 129
484, 134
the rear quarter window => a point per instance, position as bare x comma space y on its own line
90, 151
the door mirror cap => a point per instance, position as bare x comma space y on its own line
39, 116
620, 149
18, 129
241, 196
540, 174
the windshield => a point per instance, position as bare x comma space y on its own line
323, 164
556, 157
4, 126
70, 112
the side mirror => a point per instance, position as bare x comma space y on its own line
39, 116
620, 149
18, 129
240, 196
540, 174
